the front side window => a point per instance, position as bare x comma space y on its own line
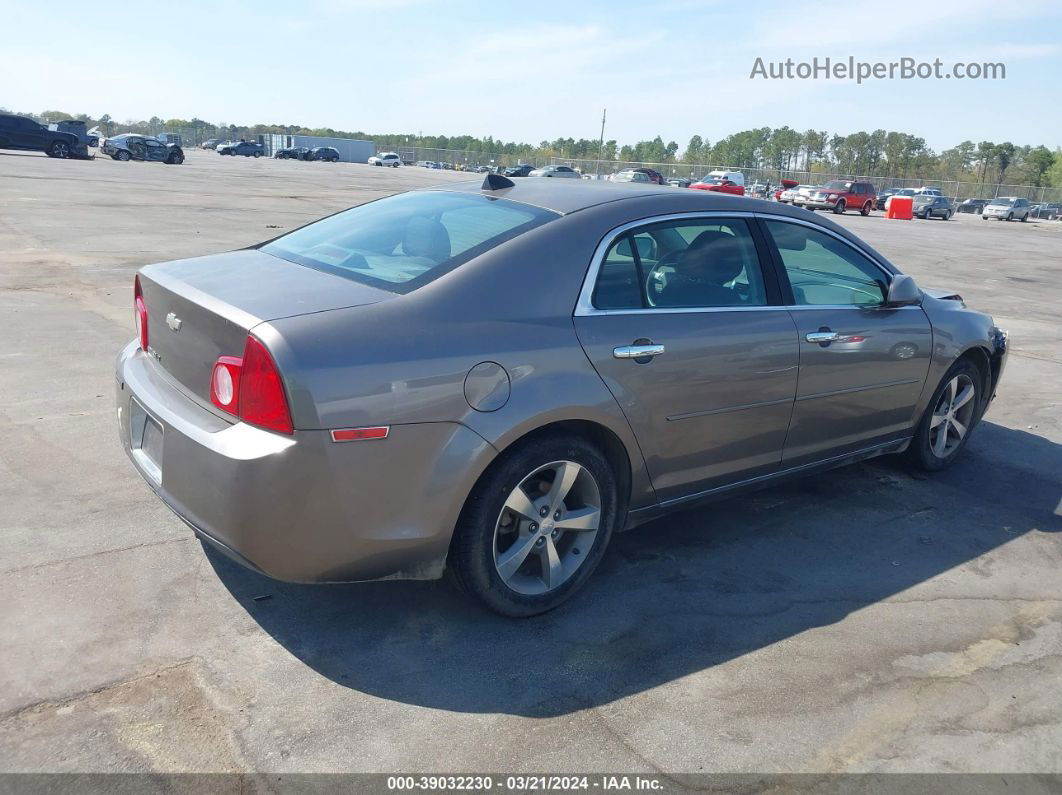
825, 271
405, 241
696, 263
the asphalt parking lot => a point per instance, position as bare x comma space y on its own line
866, 620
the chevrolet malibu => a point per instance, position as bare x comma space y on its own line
490, 380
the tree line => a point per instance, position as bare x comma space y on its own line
880, 153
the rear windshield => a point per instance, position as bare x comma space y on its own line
403, 242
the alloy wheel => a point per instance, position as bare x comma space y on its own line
546, 527
952, 416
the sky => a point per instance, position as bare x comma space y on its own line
539, 70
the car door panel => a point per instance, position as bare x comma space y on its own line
716, 404
861, 388
713, 405
862, 363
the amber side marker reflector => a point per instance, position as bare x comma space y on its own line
359, 434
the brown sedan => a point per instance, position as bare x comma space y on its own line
494, 378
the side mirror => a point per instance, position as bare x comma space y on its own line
903, 292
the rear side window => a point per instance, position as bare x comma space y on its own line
403, 242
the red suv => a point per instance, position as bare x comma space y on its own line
840, 194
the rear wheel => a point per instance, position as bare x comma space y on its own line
947, 215
536, 526
1025, 218
949, 420
257, 154
866, 209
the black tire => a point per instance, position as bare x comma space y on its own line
947, 216
257, 154
1010, 216
471, 562
927, 215
866, 209
840, 207
1025, 218
60, 149
123, 155
920, 454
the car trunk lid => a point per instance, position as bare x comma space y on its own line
202, 308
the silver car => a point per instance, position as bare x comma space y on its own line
493, 379
555, 171
1007, 208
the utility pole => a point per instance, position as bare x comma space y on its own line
601, 141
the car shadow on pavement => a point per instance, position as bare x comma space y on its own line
675, 596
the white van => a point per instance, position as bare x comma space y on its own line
733, 176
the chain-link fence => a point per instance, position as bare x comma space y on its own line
957, 189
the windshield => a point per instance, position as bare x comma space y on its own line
837, 184
403, 242
1004, 202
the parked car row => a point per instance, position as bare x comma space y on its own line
326, 153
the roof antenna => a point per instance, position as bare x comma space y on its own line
496, 182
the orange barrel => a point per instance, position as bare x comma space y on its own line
901, 207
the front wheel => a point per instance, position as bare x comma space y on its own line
949, 420
1010, 216
839, 208
536, 526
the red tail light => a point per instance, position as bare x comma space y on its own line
140, 313
250, 388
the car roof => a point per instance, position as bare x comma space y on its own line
569, 196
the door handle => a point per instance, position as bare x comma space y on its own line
637, 351
821, 336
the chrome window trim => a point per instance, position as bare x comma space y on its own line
585, 307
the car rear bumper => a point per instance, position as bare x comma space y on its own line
300, 508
